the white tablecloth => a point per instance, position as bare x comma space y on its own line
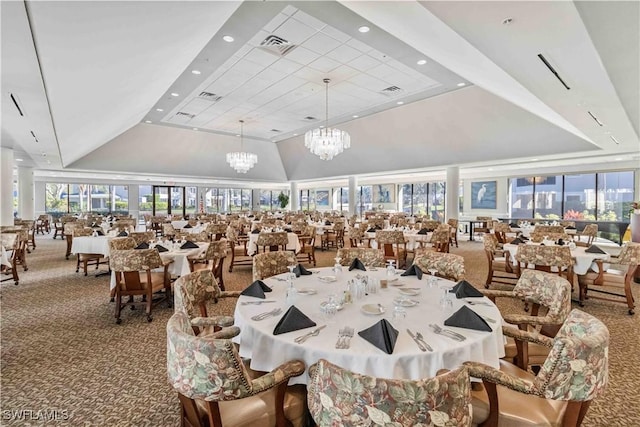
4, 258
407, 361
582, 260
293, 243
90, 245
414, 240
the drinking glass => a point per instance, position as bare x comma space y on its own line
292, 275
446, 303
432, 280
337, 267
330, 308
391, 271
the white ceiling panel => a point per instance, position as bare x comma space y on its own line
364, 63
344, 53
321, 43
302, 55
324, 64
309, 20
294, 32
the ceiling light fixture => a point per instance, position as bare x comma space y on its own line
196, 72
239, 160
399, 102
228, 39
175, 94
461, 84
364, 29
159, 109
422, 62
324, 141
355, 116
147, 121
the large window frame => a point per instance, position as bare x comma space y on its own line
419, 198
63, 198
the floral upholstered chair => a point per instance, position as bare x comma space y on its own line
192, 292
212, 259
269, 264
307, 239
555, 259
355, 236
237, 248
142, 236
338, 397
449, 266
499, 261
440, 239
548, 229
87, 259
217, 231
574, 373
453, 227
590, 232
620, 275
393, 246
121, 243
543, 290
538, 237
274, 241
214, 387
370, 257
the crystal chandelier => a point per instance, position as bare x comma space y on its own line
326, 142
239, 160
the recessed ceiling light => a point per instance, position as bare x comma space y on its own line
364, 29
238, 135
617, 159
461, 84
355, 116
19, 160
195, 128
534, 160
399, 102
228, 39
175, 94
196, 72
147, 121
159, 109
321, 126
490, 169
295, 134
507, 21
422, 62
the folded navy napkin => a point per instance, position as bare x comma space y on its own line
161, 248
187, 226
189, 245
293, 320
464, 289
327, 223
517, 241
123, 234
423, 231
371, 230
382, 334
301, 271
256, 289
593, 249
414, 270
378, 227
142, 245
356, 263
256, 231
560, 242
514, 225
99, 232
469, 319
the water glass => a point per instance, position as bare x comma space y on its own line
292, 295
399, 314
329, 308
446, 303
391, 271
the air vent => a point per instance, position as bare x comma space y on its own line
595, 118
276, 130
182, 113
276, 45
210, 96
392, 90
310, 118
553, 70
15, 102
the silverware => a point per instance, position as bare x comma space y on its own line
477, 303
344, 337
256, 302
417, 341
380, 308
315, 332
350, 332
447, 333
421, 338
264, 315
341, 335
279, 279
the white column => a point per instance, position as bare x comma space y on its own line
26, 203
294, 197
353, 186
6, 186
255, 199
39, 197
133, 198
451, 207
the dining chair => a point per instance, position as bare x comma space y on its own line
590, 231
440, 240
43, 224
356, 236
212, 259
193, 292
484, 224
267, 264
453, 237
121, 243
449, 266
30, 225
339, 397
550, 298
168, 231
503, 232
87, 259
307, 241
68, 234
370, 257
537, 237
10, 242
135, 276
275, 241
556, 259
335, 237
142, 236
393, 246
619, 275
547, 229
217, 231
574, 373
215, 389
19, 251
499, 261
238, 248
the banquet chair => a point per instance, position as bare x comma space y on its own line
393, 246
121, 243
453, 237
440, 240
275, 241
142, 236
566, 224
30, 225
307, 245
19, 251
87, 259
548, 229
379, 401
135, 276
168, 231
590, 231
10, 242
215, 389
60, 224
620, 275
499, 261
212, 259
550, 299
193, 292
485, 226
43, 224
355, 236
68, 234
238, 249
503, 232
552, 259
333, 238
537, 237
217, 231
449, 266
267, 264
370, 257
156, 224
574, 373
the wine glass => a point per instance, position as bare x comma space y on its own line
292, 275
391, 271
432, 279
337, 267
446, 303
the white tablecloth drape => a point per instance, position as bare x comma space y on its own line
582, 260
293, 243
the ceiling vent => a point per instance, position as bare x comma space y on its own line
310, 119
276, 45
183, 114
392, 90
276, 130
208, 96
15, 102
553, 70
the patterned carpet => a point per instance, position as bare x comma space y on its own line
61, 349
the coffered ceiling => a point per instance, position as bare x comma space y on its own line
154, 88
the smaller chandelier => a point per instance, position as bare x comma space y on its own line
239, 160
326, 142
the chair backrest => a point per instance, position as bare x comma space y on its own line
430, 224
501, 227
449, 266
578, 365
539, 237
546, 229
544, 256
629, 254
168, 230
440, 239
192, 292
490, 242
217, 230
370, 257
568, 223
358, 400
546, 289
9, 240
81, 231
121, 243
142, 236
453, 223
134, 259
269, 264
390, 237
272, 239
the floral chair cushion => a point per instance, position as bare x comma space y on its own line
121, 243
272, 239
448, 265
393, 237
338, 397
629, 255
549, 256
269, 264
134, 259
370, 257
142, 237
546, 289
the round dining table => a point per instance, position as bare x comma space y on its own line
407, 360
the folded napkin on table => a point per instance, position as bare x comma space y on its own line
187, 226
593, 249
99, 232
189, 245
161, 248
371, 230
423, 231
514, 225
414, 270
122, 234
293, 320
377, 227
517, 241
464, 289
256, 231
467, 318
356, 263
301, 271
256, 289
327, 223
382, 335
142, 245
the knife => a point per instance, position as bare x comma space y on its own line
303, 338
420, 345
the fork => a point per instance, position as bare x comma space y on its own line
263, 316
421, 339
447, 333
256, 302
349, 334
341, 337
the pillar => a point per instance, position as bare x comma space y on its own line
294, 197
133, 200
6, 186
353, 191
255, 199
26, 202
452, 209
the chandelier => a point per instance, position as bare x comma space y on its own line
239, 160
326, 142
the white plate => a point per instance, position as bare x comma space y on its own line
395, 282
410, 292
405, 302
327, 279
372, 309
307, 291
339, 307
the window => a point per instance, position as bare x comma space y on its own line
364, 200
307, 200
55, 197
265, 200
615, 195
145, 199
191, 200
548, 197
423, 199
406, 199
436, 200
580, 197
